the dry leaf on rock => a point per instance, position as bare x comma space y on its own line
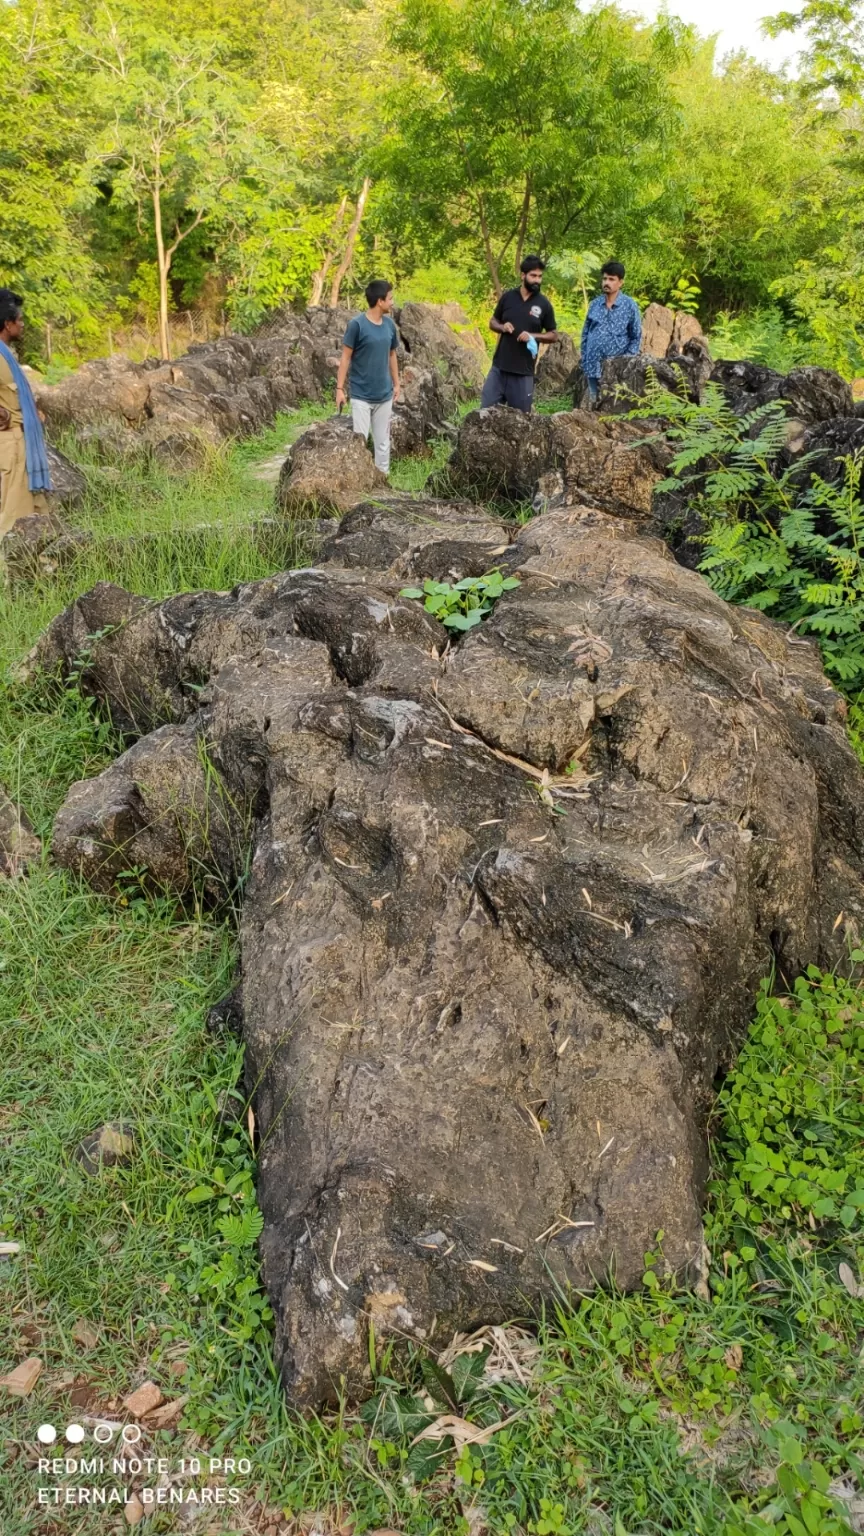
23, 1379
734, 1357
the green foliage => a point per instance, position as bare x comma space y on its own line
465, 604
464, 161
763, 532
764, 335
396, 1415
794, 1106
685, 295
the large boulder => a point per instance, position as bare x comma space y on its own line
112, 388
70, 485
482, 1035
626, 380
328, 469
420, 413
810, 394
658, 323
430, 341
562, 459
557, 368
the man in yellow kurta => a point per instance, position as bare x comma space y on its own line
24, 474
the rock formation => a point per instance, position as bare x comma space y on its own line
509, 900
235, 385
571, 457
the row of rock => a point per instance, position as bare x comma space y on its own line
234, 386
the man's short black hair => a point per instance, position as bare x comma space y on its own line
613, 269
11, 305
533, 264
376, 290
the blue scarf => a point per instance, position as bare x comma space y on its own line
38, 470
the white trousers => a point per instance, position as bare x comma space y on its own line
375, 418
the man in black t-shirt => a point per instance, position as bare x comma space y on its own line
522, 319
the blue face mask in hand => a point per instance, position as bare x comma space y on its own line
532, 346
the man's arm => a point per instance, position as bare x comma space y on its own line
341, 376
585, 329
635, 329
5, 419
496, 324
394, 373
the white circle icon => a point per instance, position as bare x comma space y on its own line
103, 1433
75, 1434
131, 1433
46, 1433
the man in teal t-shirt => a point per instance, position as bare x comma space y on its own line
370, 366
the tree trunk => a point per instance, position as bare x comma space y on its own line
349, 247
318, 277
163, 261
523, 224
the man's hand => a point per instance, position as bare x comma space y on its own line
5, 419
507, 328
341, 398
397, 390
523, 335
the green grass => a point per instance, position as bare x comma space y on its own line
661, 1412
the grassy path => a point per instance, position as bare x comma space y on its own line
656, 1413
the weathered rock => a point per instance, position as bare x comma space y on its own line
420, 413
557, 368
830, 443
626, 380
817, 394
430, 341
19, 845
685, 328
328, 469
658, 324
506, 1022
415, 538
498, 453
811, 394
161, 808
70, 485
226, 1017
561, 459
40, 545
111, 1146
110, 389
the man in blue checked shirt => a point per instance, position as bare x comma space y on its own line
613, 326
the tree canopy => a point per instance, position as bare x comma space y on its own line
251, 155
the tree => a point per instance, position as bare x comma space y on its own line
179, 143
44, 123
526, 123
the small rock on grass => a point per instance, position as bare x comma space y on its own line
85, 1334
23, 1379
134, 1510
166, 1415
143, 1400
19, 845
110, 1146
